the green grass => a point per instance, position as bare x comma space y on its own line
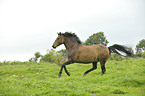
125, 78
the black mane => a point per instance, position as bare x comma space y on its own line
69, 34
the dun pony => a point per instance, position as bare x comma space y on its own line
78, 53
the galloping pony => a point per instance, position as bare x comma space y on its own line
78, 53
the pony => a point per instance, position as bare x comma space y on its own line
79, 53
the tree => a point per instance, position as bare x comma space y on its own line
63, 52
31, 60
97, 38
35, 58
50, 56
37, 55
140, 47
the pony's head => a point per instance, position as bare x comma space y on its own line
59, 40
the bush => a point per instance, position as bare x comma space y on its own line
143, 54
53, 56
60, 59
31, 59
13, 63
49, 57
116, 57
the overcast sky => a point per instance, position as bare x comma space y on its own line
28, 26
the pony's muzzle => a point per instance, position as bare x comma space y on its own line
53, 46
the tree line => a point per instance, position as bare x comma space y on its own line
59, 57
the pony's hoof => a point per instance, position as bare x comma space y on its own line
84, 74
68, 74
59, 75
103, 73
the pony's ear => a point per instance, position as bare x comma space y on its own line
59, 33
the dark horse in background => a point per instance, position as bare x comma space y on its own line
78, 53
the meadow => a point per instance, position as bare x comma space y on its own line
122, 78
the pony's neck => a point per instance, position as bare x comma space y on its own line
70, 44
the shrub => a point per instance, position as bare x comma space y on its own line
116, 57
60, 59
49, 57
143, 54
54, 57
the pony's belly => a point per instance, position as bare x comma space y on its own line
86, 59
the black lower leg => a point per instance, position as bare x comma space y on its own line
66, 71
59, 75
102, 62
103, 70
94, 67
63, 66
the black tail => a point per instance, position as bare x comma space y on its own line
115, 48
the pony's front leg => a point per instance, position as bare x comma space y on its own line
63, 66
59, 75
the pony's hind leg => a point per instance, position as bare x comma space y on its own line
94, 67
103, 66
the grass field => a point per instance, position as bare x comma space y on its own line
122, 78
